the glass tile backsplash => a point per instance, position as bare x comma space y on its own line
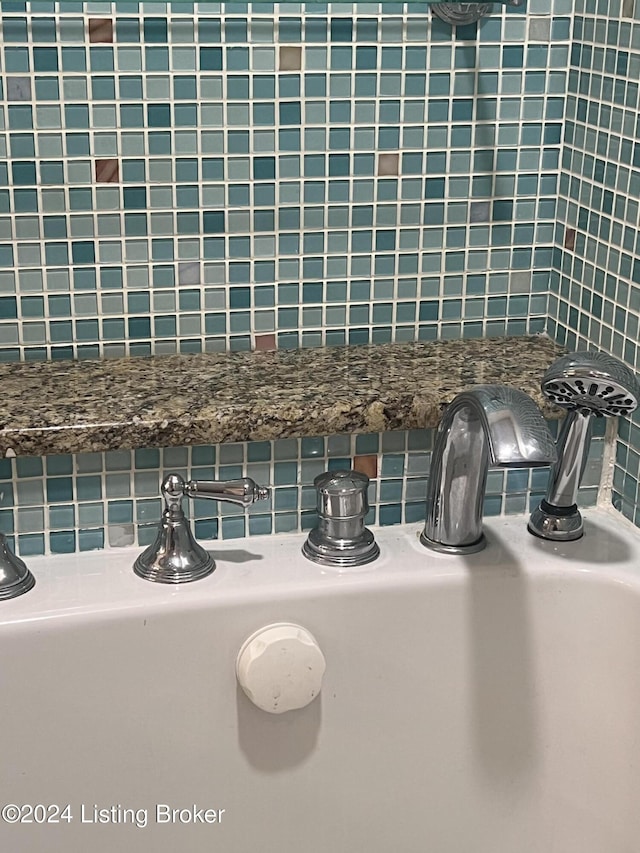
180, 178
62, 504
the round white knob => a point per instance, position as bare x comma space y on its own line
280, 667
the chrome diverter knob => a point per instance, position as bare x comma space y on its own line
341, 539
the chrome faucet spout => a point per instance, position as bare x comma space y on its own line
489, 426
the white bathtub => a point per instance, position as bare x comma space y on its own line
484, 705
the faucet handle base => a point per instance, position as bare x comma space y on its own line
557, 523
174, 556
15, 577
479, 545
341, 553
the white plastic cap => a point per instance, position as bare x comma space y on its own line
280, 667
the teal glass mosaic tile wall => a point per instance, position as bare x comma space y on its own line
179, 178
595, 284
63, 504
200, 178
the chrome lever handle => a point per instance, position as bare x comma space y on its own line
175, 556
243, 492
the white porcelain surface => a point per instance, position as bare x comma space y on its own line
488, 704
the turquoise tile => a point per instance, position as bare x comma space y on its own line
31, 545
91, 540
59, 489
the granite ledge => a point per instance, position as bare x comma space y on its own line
176, 400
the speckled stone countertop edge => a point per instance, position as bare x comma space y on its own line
167, 401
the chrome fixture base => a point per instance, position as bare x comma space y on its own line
341, 553
546, 522
15, 577
489, 426
588, 385
341, 539
480, 545
175, 556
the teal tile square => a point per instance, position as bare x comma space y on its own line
130, 87
91, 540
80, 199
6, 494
127, 29
74, 59
341, 29
233, 528
83, 252
185, 87
14, 29
8, 302
159, 115
390, 514
133, 170
101, 58
366, 58
186, 169
17, 60
289, 29
260, 525
237, 58
139, 327
77, 144
113, 328
155, 30
285, 473
44, 58
31, 544
135, 198
47, 89
61, 517
185, 115
156, 58
285, 498
290, 112
209, 30
23, 172
213, 221
29, 466
20, 117
59, 489
51, 172
206, 528
120, 512
165, 326
103, 88
289, 86
32, 306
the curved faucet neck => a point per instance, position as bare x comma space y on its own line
487, 426
457, 480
